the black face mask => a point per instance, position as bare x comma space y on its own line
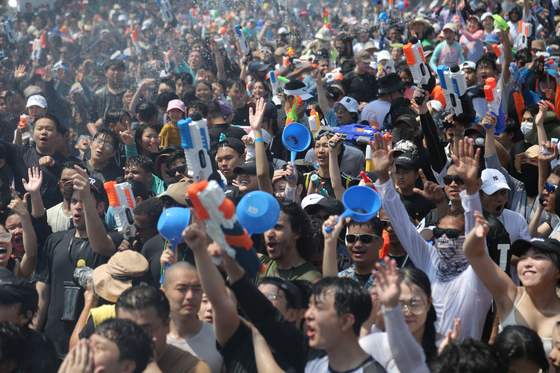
530, 176
402, 133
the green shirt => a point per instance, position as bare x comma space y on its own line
306, 271
156, 184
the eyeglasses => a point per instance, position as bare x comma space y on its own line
340, 109
402, 90
550, 188
415, 308
5, 237
106, 144
450, 233
139, 229
272, 296
385, 223
180, 169
339, 48
448, 179
364, 238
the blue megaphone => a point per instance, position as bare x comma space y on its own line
361, 203
296, 138
258, 211
171, 224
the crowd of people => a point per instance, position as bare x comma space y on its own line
447, 109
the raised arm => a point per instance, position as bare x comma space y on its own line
438, 159
25, 268
226, 319
263, 175
321, 97
219, 60
334, 169
508, 56
330, 266
494, 279
100, 242
33, 188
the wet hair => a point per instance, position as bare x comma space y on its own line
523, 54
533, 109
203, 82
198, 106
518, 342
139, 133
471, 356
12, 342
114, 116
177, 154
151, 208
185, 77
110, 134
236, 82
349, 297
426, 32
511, 126
214, 109
139, 189
456, 215
133, 341
374, 224
555, 170
487, 59
414, 276
146, 111
114, 63
138, 298
164, 98
299, 223
140, 161
50, 117
188, 95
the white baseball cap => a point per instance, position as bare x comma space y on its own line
311, 199
486, 15
492, 181
37, 100
468, 65
349, 103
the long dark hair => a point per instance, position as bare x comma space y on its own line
138, 136
413, 276
518, 342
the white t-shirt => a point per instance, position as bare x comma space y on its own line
375, 112
321, 365
57, 219
202, 345
518, 229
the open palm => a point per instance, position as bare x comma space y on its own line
382, 154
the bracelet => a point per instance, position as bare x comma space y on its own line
259, 140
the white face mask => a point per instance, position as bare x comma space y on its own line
526, 127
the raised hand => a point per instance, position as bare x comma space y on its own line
335, 228
47, 74
79, 359
195, 234
81, 183
548, 152
432, 191
388, 288
382, 156
543, 108
481, 226
467, 163
46, 161
452, 336
18, 205
168, 257
291, 175
19, 72
127, 136
256, 116
35, 180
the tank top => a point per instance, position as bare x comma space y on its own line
510, 320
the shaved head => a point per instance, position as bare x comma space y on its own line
176, 268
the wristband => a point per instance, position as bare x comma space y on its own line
259, 140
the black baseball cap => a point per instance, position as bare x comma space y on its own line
331, 204
476, 129
251, 169
291, 290
17, 290
408, 160
550, 245
234, 143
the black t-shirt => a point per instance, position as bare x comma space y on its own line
21, 158
63, 252
403, 261
103, 101
109, 173
362, 88
5, 199
40, 354
119, 159
239, 353
152, 251
228, 130
421, 205
241, 117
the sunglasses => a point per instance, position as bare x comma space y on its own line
364, 238
550, 188
450, 233
385, 223
180, 169
448, 179
340, 109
